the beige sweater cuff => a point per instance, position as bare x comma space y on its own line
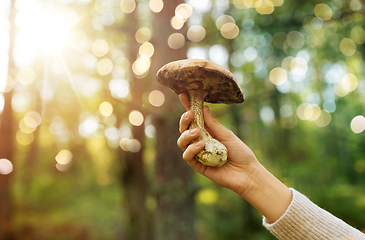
305, 220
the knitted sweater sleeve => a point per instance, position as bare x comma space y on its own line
305, 220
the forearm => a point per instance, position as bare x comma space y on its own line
305, 220
267, 194
289, 215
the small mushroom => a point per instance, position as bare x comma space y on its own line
207, 81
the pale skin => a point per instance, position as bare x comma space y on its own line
242, 173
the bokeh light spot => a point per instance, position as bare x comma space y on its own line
25, 128
304, 111
345, 85
150, 131
141, 66
6, 166
207, 196
298, 66
156, 5
136, 118
316, 112
175, 23
143, 35
127, 6
131, 145
156, 98
106, 109
329, 105
267, 114
242, 4
264, 7
183, 11
134, 145
146, 50
218, 54
119, 88
347, 47
123, 143
358, 35
105, 66
196, 33
89, 126
63, 167
32, 119
176, 41
24, 138
324, 119
278, 76
107, 19
350, 82
64, 157
356, 5
100, 48
277, 3
223, 20
358, 124
200, 5
19, 101
295, 39
323, 11
230, 30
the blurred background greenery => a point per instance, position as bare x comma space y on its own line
88, 138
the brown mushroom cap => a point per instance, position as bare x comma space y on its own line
204, 76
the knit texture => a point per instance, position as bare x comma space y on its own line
305, 220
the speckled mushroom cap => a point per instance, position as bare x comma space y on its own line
204, 76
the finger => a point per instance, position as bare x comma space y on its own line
185, 120
191, 151
186, 138
213, 126
184, 98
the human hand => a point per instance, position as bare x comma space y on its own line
236, 172
242, 173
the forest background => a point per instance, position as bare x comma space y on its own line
88, 138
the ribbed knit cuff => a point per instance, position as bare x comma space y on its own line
305, 220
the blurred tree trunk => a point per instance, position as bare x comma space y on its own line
7, 140
174, 216
133, 174
34, 147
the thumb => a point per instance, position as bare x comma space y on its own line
216, 129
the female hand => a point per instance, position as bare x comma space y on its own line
236, 172
246, 176
242, 173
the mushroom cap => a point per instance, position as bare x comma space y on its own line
219, 84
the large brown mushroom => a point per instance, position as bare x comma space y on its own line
207, 81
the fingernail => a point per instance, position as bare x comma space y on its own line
192, 131
199, 144
186, 115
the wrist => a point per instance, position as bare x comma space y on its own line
267, 194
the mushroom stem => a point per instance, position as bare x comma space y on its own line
214, 153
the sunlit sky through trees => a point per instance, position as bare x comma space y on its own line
46, 30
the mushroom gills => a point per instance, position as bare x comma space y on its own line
214, 153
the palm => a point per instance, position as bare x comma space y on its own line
230, 174
239, 158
